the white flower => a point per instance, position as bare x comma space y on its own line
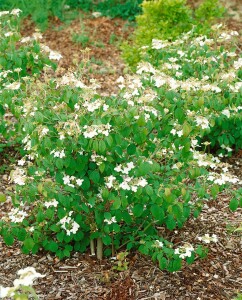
158, 244
16, 12
21, 162
202, 121
184, 251
55, 55
112, 220
53, 202
66, 179
44, 131
238, 63
27, 277
207, 238
226, 112
124, 185
142, 182
6, 291
110, 181
79, 182
17, 216
158, 44
3, 13
96, 14
7, 34
13, 86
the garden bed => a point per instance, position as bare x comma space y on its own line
218, 276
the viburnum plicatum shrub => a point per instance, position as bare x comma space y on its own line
204, 75
118, 171
21, 58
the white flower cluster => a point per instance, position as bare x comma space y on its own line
59, 154
27, 277
203, 160
206, 238
42, 131
110, 180
132, 184
92, 106
14, 12
128, 184
159, 44
98, 159
69, 180
184, 251
12, 86
18, 176
111, 221
52, 54
158, 244
202, 122
70, 79
69, 225
16, 215
53, 203
223, 178
94, 130
125, 169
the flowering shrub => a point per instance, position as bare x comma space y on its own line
112, 171
22, 287
204, 74
20, 58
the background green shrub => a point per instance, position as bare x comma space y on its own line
39, 10
166, 20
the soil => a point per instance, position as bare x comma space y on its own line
219, 276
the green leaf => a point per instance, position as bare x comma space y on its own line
234, 204
40, 216
102, 146
8, 239
59, 163
131, 149
107, 240
138, 210
170, 222
53, 246
94, 176
157, 212
186, 129
2, 197
116, 203
29, 244
163, 263
60, 236
86, 184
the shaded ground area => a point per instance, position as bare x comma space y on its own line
219, 276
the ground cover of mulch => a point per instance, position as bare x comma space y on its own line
219, 276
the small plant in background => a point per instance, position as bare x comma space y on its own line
22, 287
126, 9
82, 39
121, 263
